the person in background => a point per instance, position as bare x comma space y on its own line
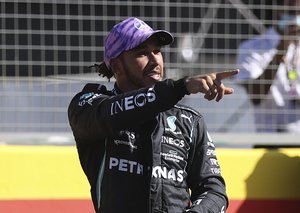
270, 68
140, 150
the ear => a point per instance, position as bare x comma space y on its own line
115, 66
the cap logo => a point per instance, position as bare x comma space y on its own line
140, 25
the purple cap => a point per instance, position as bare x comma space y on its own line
129, 34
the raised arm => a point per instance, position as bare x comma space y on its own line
93, 112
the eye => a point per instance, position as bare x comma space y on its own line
141, 53
157, 51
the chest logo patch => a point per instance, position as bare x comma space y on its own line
171, 123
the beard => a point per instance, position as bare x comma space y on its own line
137, 80
132, 79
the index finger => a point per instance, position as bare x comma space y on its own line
226, 74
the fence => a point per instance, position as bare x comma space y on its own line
47, 46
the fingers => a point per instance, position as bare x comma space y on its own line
210, 84
212, 92
209, 94
217, 88
208, 87
221, 91
226, 74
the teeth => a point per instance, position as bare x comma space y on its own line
156, 76
152, 73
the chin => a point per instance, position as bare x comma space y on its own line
151, 82
154, 80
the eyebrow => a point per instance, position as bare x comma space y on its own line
143, 46
140, 47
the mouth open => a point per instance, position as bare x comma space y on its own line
154, 75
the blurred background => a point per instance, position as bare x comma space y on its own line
48, 46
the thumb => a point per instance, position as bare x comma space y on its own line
228, 90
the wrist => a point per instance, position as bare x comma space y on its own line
180, 86
185, 82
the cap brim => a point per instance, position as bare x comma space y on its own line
164, 37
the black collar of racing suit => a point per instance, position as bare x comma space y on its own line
116, 90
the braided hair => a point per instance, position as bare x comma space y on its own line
103, 70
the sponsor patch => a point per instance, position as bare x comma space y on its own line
171, 125
124, 165
126, 143
132, 102
186, 117
88, 98
214, 162
172, 156
211, 152
163, 172
172, 141
215, 171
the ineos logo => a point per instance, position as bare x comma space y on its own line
131, 102
172, 141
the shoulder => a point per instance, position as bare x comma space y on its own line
97, 88
255, 43
186, 116
89, 93
91, 89
265, 41
186, 109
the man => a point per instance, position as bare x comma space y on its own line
270, 71
140, 150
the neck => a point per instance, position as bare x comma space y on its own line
121, 88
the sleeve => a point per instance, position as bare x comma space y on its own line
208, 192
93, 114
250, 61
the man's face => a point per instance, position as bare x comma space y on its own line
290, 7
289, 17
141, 66
293, 7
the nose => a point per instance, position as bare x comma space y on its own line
154, 58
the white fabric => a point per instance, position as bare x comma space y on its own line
253, 58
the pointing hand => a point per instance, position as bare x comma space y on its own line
210, 84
